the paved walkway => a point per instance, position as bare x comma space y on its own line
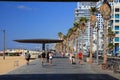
61, 69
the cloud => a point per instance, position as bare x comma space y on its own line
23, 7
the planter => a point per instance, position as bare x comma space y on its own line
104, 66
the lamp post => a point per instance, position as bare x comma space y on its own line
97, 44
3, 43
47, 47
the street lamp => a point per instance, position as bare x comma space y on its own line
97, 44
3, 43
47, 47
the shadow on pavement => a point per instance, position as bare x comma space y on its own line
57, 77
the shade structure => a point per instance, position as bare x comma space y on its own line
57, 0
87, 0
39, 41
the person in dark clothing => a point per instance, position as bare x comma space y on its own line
43, 57
27, 57
48, 56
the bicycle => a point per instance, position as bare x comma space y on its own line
116, 68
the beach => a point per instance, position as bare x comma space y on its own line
11, 63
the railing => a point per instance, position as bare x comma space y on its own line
113, 63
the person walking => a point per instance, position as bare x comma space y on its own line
50, 58
72, 58
43, 57
80, 57
27, 57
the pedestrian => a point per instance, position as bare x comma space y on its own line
62, 54
72, 58
50, 58
27, 57
43, 57
80, 57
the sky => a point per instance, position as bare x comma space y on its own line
34, 20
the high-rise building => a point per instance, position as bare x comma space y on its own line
115, 20
82, 10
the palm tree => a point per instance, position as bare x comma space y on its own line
60, 35
111, 35
69, 38
77, 31
64, 43
82, 26
93, 21
105, 11
73, 37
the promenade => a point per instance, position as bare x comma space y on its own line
61, 69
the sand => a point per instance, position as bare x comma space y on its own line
10, 63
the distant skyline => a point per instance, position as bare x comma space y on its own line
33, 20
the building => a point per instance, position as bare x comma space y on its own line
114, 23
20, 52
115, 20
82, 10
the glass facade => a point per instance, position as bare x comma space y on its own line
117, 21
116, 27
116, 9
116, 32
116, 15
116, 39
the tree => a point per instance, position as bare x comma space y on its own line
83, 26
77, 31
60, 35
105, 10
111, 35
93, 21
70, 37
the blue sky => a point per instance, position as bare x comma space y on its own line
31, 20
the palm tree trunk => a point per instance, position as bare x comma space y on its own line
91, 43
105, 42
77, 45
82, 41
67, 46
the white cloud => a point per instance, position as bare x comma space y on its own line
23, 7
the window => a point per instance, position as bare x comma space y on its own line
116, 9
116, 32
116, 39
116, 15
116, 21
116, 27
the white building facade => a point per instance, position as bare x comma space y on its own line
82, 11
116, 25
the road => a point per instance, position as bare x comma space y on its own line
61, 69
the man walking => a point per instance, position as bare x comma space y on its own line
27, 57
43, 56
80, 57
